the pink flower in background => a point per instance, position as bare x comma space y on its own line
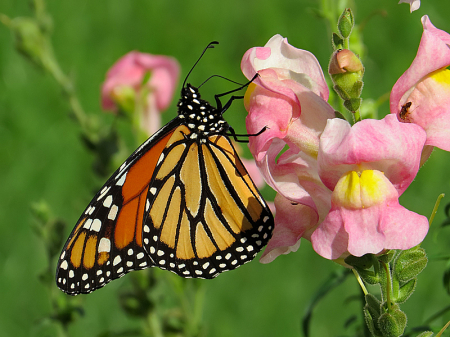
289, 98
422, 94
124, 83
368, 166
414, 4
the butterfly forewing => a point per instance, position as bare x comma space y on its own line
205, 214
106, 243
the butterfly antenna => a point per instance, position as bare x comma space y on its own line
210, 45
220, 77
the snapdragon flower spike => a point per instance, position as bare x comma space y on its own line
289, 98
422, 94
368, 166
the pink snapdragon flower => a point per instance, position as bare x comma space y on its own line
124, 83
413, 4
422, 94
289, 98
338, 186
368, 166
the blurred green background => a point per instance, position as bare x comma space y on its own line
42, 157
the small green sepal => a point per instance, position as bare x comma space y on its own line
368, 276
352, 104
405, 291
337, 42
387, 256
341, 92
363, 262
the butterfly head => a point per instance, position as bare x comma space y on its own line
200, 117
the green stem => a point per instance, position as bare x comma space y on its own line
67, 86
388, 284
360, 281
357, 115
435, 208
443, 329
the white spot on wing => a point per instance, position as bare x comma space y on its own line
96, 225
103, 192
108, 201
113, 212
87, 224
121, 181
104, 245
64, 265
117, 260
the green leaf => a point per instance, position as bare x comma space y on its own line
410, 263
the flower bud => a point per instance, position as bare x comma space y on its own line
346, 23
346, 71
392, 324
344, 61
30, 39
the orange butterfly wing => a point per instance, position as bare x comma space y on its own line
106, 242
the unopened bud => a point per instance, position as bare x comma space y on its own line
346, 71
346, 23
392, 324
344, 61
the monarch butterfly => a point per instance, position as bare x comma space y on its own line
183, 201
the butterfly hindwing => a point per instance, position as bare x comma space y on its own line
205, 214
106, 242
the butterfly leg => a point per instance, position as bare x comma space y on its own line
232, 98
234, 135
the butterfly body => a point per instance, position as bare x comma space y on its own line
182, 201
